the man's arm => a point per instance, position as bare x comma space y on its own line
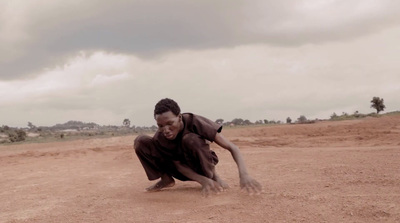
246, 181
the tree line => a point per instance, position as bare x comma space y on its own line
20, 134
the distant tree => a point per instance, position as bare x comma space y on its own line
334, 116
247, 122
377, 103
237, 121
31, 126
153, 128
17, 135
356, 114
126, 122
288, 120
265, 121
78, 125
302, 119
219, 121
227, 123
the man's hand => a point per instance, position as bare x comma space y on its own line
210, 186
250, 185
246, 182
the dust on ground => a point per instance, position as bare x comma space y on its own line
343, 171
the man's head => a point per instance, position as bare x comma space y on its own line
168, 117
165, 105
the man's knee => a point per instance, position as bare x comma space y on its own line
193, 140
142, 142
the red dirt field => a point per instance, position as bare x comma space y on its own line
342, 171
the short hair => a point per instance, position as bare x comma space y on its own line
165, 105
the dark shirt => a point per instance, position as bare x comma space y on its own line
172, 149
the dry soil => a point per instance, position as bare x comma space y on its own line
342, 171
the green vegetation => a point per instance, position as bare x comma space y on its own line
392, 113
70, 130
17, 135
12, 134
356, 115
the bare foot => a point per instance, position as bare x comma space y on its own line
163, 183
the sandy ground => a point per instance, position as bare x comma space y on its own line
347, 171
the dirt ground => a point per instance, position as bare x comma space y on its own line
342, 171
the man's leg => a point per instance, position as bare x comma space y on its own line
216, 178
200, 158
151, 162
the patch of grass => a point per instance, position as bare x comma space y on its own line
57, 136
392, 113
346, 116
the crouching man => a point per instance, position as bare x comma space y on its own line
179, 150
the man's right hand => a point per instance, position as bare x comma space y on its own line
210, 186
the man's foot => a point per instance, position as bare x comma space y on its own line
163, 183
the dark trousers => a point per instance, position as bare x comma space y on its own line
196, 155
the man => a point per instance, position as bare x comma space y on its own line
179, 150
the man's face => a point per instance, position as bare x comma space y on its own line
169, 124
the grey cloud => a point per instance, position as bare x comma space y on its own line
150, 28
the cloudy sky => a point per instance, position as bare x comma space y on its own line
103, 61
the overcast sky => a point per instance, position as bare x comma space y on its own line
103, 61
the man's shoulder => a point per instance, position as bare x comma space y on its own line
189, 115
194, 119
191, 119
201, 125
